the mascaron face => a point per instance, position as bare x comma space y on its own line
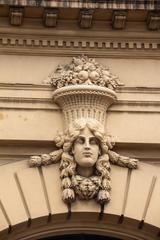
86, 149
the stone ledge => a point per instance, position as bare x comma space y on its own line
130, 98
18, 150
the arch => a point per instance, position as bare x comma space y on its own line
81, 223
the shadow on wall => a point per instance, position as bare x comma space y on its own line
80, 237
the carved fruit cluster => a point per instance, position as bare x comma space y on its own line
83, 70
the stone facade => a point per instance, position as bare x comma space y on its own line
35, 38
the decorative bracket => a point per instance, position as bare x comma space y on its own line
119, 19
50, 17
153, 20
85, 18
16, 16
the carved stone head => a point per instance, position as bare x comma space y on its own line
86, 149
85, 162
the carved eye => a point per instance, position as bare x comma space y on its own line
93, 141
80, 140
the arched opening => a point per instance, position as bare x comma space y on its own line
81, 226
80, 237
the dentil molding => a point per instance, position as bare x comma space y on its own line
69, 47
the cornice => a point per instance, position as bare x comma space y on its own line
68, 39
99, 47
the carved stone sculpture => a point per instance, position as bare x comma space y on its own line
83, 70
84, 151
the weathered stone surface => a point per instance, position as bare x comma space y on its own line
88, 4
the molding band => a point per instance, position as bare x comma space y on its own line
74, 43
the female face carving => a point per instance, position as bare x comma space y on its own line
86, 149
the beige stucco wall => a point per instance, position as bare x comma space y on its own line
23, 115
35, 69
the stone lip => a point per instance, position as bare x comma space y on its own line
84, 89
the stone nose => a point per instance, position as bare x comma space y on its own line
87, 144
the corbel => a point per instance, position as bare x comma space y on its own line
50, 17
119, 19
153, 20
16, 16
85, 18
